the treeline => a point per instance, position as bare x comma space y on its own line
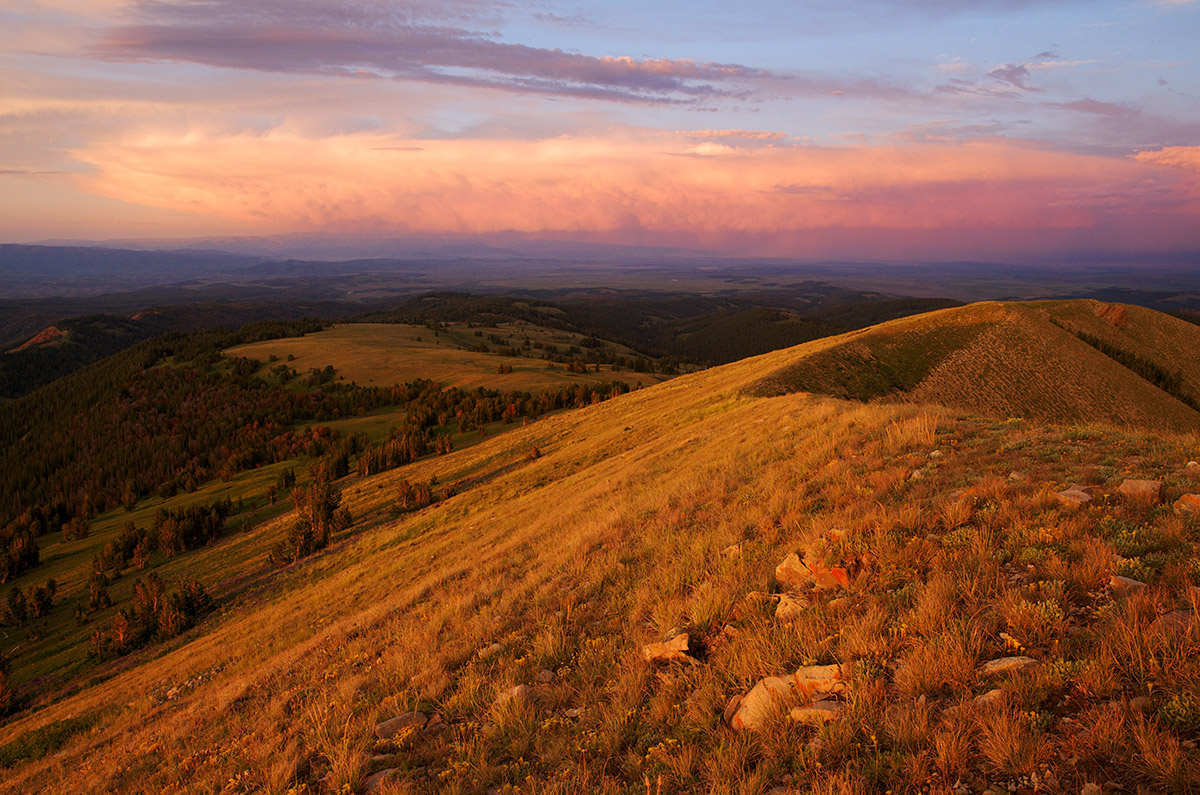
1170, 382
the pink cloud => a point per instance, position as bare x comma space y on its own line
767, 199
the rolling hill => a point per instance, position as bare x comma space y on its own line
961, 622
1050, 361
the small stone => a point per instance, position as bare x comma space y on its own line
1188, 505
933, 538
1006, 665
917, 475
374, 782
816, 714
573, 712
936, 454
409, 720
490, 651
1175, 621
519, 695
1193, 465
1140, 703
791, 573
1073, 498
668, 651
1017, 477
733, 550
989, 698
764, 700
1147, 490
789, 607
545, 676
1090, 789
672, 633
1124, 587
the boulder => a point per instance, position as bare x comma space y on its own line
1073, 498
817, 713
1188, 505
1148, 490
1124, 587
1006, 665
668, 651
413, 721
789, 606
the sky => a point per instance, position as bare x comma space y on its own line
809, 129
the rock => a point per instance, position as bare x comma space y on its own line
1140, 703
1188, 505
668, 651
1017, 477
828, 578
374, 782
917, 474
733, 550
1006, 665
519, 695
791, 573
673, 633
1175, 621
409, 720
1124, 587
573, 712
764, 700
1073, 498
1192, 465
989, 698
789, 606
818, 713
1091, 788
490, 651
1148, 490
768, 697
936, 454
545, 676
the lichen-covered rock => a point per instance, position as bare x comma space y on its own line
1188, 505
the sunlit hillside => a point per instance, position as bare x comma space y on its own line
1054, 361
939, 606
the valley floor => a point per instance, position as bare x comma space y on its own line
668, 510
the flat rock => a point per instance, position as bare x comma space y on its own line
393, 726
668, 651
1148, 490
817, 713
1017, 477
1006, 665
1073, 498
545, 676
789, 606
519, 695
1124, 587
822, 679
374, 782
1188, 505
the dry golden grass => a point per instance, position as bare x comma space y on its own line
382, 354
625, 528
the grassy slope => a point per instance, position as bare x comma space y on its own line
379, 354
618, 532
1009, 360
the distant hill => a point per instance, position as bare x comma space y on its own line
1055, 361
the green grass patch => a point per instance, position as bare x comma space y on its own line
46, 740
